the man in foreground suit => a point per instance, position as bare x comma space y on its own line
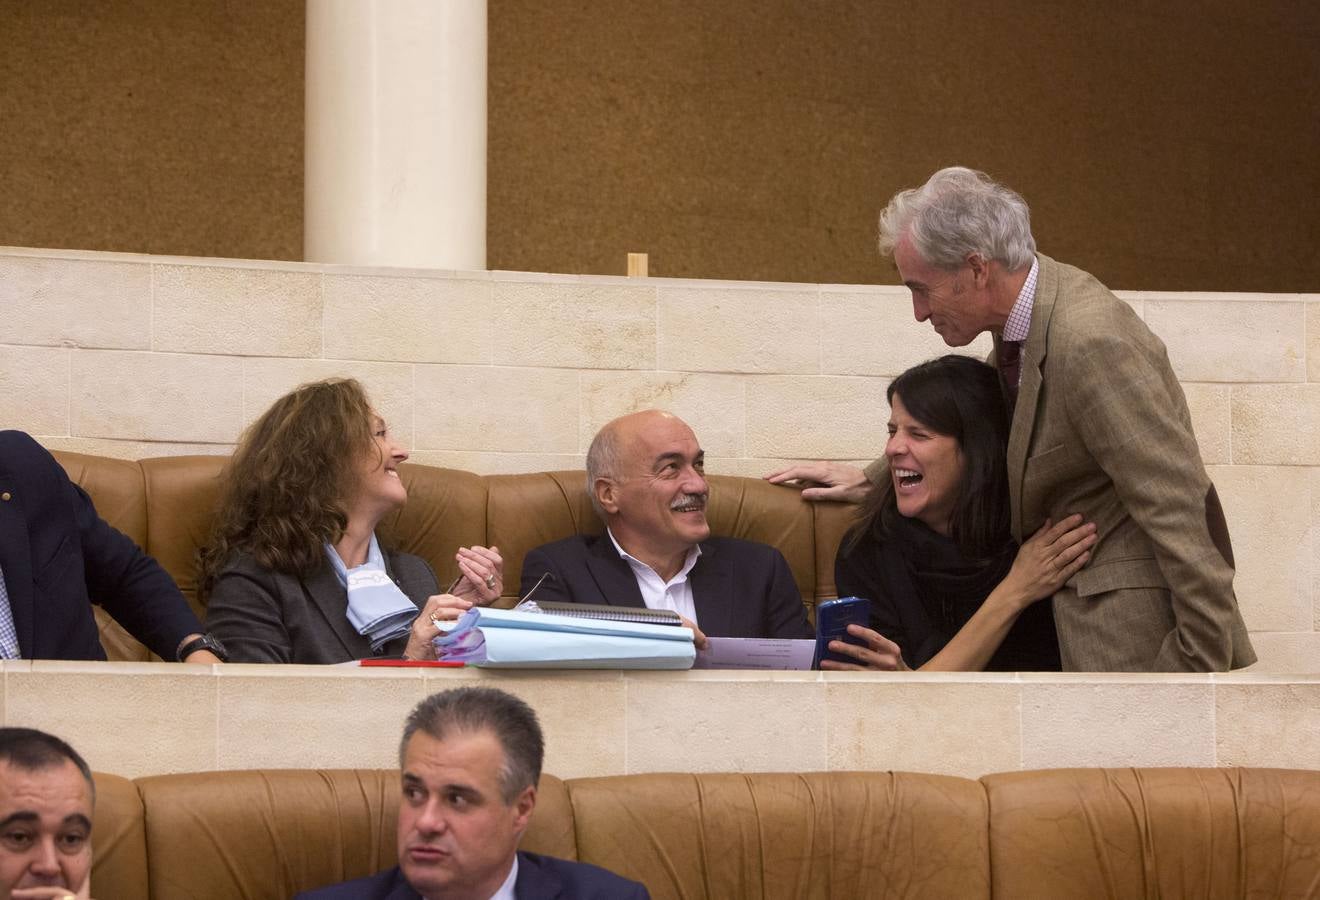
46, 800
1100, 427
646, 478
57, 557
471, 760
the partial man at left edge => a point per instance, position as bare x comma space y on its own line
58, 557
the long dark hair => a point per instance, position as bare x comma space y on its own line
959, 397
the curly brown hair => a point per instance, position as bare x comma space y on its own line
285, 490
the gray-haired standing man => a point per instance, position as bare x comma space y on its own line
1099, 427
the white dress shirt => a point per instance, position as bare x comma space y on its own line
506, 890
675, 594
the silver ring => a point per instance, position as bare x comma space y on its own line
490, 582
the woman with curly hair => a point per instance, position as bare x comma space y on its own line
293, 572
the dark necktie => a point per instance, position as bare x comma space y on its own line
1010, 369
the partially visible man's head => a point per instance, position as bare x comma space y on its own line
646, 478
46, 800
470, 761
952, 240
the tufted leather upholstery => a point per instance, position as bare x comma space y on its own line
166, 506
1076, 833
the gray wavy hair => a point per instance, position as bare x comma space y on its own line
958, 212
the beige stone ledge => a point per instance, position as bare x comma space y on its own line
1118, 724
70, 302
948, 727
1222, 340
1210, 407
156, 396
492, 408
439, 320
825, 417
1284, 652
1269, 510
1276, 424
1315, 546
710, 329
34, 389
141, 718
1216, 296
578, 325
1268, 725
1313, 340
241, 311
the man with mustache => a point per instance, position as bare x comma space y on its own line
646, 478
471, 761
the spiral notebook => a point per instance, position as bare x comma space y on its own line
636, 615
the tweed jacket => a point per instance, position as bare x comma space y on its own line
1101, 428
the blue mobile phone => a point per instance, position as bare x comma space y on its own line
832, 620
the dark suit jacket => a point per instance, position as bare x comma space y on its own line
265, 616
58, 557
539, 878
740, 588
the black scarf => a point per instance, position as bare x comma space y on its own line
918, 562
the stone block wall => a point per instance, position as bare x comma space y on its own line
136, 356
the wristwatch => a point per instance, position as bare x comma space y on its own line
205, 642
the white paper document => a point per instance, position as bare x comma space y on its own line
756, 653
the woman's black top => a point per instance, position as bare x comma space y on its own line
923, 589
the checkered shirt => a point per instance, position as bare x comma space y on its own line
1019, 317
8, 634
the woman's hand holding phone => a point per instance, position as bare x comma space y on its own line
879, 653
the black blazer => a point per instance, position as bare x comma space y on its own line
539, 878
740, 588
263, 616
59, 557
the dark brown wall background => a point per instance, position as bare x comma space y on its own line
1162, 146
154, 126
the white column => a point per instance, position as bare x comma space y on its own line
395, 155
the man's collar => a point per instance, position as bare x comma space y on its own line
688, 562
1019, 317
505, 891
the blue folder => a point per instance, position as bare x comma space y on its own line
505, 638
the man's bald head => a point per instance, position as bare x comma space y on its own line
606, 457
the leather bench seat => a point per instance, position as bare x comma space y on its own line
166, 506
1074, 833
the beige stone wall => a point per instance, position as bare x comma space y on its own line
138, 356
150, 718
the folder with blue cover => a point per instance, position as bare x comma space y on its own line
506, 638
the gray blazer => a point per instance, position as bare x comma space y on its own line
265, 616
